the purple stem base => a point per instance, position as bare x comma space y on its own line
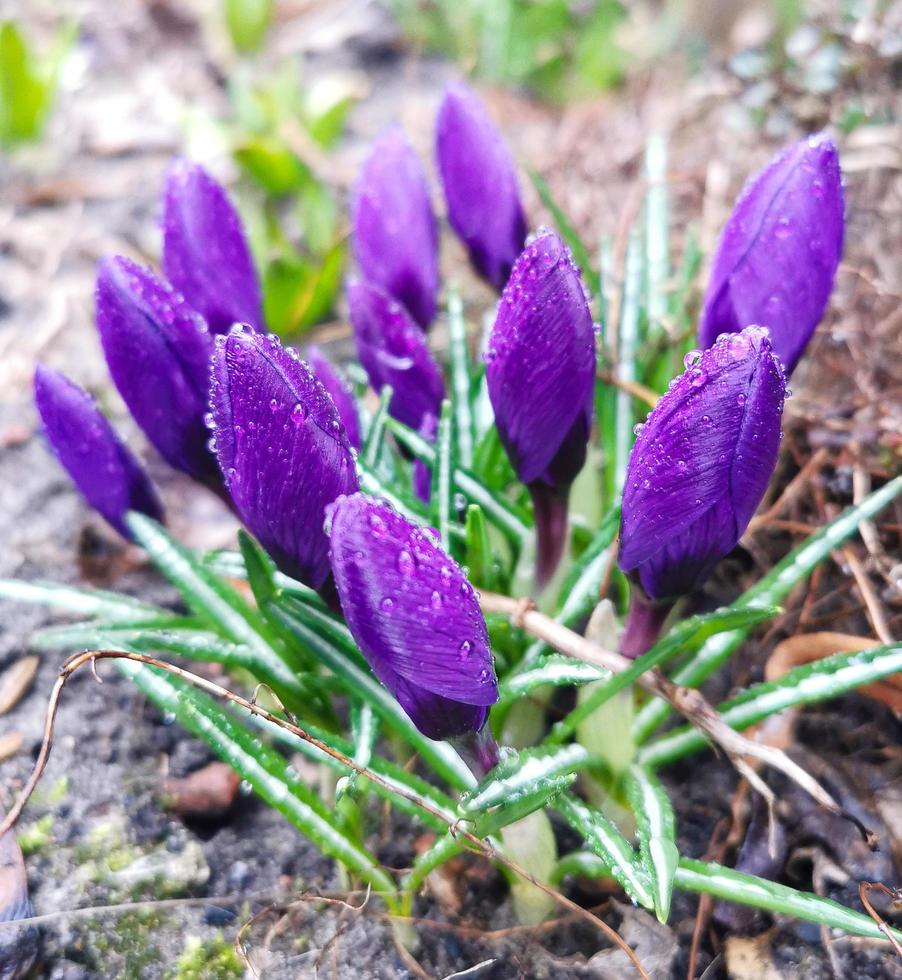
643, 624
549, 506
479, 750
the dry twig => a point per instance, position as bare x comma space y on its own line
688, 702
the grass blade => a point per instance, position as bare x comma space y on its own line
110, 606
260, 765
442, 496
769, 591
459, 367
568, 233
656, 830
555, 670
828, 678
679, 640
603, 837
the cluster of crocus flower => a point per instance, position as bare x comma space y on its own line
191, 360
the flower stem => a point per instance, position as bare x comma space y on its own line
643, 624
550, 509
479, 750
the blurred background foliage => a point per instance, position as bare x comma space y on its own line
280, 127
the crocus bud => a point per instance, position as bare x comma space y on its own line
414, 616
98, 462
701, 463
779, 251
541, 376
158, 351
393, 351
395, 236
480, 184
282, 448
332, 381
205, 253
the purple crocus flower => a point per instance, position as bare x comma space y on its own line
700, 466
395, 236
158, 351
779, 251
205, 253
480, 184
541, 377
332, 381
282, 448
393, 351
414, 616
99, 463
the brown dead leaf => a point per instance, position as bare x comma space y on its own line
750, 958
15, 681
206, 793
10, 743
809, 647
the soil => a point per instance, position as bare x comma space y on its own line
91, 187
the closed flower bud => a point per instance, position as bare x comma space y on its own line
414, 616
779, 251
480, 184
701, 464
158, 351
332, 381
205, 253
395, 237
98, 462
541, 377
283, 450
393, 351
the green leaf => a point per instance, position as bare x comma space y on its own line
568, 233
610, 845
442, 496
682, 638
479, 558
744, 889
360, 682
656, 830
298, 292
27, 84
555, 670
375, 436
526, 772
657, 252
247, 22
220, 606
808, 684
460, 371
497, 510
110, 606
260, 765
260, 568
271, 164
769, 591
365, 732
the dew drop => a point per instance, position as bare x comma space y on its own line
386, 604
691, 358
405, 563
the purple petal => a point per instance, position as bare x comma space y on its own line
395, 236
779, 252
393, 351
158, 351
332, 381
205, 254
282, 448
414, 615
701, 464
541, 364
105, 471
480, 184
